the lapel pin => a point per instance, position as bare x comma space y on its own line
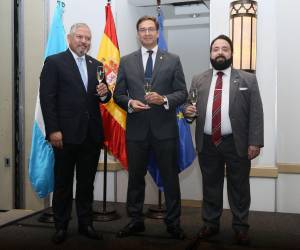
90, 61
161, 58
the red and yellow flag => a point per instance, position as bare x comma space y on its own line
113, 117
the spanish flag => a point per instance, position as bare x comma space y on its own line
113, 117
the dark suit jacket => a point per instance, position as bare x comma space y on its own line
65, 104
245, 109
167, 79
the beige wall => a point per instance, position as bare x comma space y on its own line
33, 20
6, 109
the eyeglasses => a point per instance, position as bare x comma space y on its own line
150, 30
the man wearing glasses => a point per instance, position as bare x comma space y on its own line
151, 123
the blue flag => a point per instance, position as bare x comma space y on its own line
41, 160
186, 150
162, 45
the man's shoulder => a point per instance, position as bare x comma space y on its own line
170, 55
57, 55
57, 58
204, 74
243, 73
131, 55
90, 59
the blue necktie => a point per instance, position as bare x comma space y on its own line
82, 72
149, 65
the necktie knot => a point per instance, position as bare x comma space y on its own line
150, 52
80, 59
220, 73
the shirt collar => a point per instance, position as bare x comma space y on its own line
76, 56
144, 50
226, 72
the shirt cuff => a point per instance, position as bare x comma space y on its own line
130, 109
166, 103
102, 98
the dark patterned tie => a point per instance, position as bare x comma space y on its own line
149, 65
216, 111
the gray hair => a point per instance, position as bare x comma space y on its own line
75, 26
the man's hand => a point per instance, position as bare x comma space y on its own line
56, 139
190, 111
101, 89
154, 98
253, 151
138, 106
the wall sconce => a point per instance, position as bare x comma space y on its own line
243, 34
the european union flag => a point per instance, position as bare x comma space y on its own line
162, 45
186, 148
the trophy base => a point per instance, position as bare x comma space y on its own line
156, 212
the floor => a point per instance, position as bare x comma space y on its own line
268, 231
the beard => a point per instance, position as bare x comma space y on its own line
221, 63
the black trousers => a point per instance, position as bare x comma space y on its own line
85, 157
212, 162
165, 153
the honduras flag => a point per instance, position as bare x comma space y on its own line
41, 160
186, 150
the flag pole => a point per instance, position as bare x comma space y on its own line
105, 214
159, 211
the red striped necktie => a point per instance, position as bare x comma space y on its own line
216, 111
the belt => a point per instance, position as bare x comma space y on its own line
223, 136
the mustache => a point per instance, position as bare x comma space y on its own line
220, 57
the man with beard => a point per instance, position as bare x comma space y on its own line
70, 96
229, 131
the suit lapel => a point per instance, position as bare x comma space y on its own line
75, 69
234, 84
139, 64
160, 56
91, 74
202, 106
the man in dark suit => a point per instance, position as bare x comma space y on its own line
151, 123
229, 131
70, 95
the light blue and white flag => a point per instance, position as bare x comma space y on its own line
41, 160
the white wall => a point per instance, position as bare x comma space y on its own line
288, 146
263, 195
91, 12
288, 193
288, 37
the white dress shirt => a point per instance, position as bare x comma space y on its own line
225, 120
85, 70
83, 62
145, 56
